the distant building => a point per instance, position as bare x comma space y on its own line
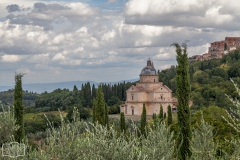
149, 91
218, 49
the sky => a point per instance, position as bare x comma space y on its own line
105, 40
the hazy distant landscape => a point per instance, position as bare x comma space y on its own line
49, 87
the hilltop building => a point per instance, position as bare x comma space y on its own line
218, 49
149, 91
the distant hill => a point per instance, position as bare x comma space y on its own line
49, 87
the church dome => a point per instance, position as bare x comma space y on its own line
149, 69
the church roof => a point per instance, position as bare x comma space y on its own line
149, 69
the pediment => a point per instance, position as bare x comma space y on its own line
132, 89
163, 89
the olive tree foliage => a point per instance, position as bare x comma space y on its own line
202, 145
159, 143
234, 114
7, 125
82, 140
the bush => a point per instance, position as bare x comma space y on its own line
7, 125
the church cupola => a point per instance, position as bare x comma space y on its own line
149, 73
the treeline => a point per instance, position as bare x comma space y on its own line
64, 98
210, 80
6, 98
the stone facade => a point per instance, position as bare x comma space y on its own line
149, 91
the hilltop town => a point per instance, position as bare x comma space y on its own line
218, 49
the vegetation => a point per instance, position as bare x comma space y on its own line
18, 108
183, 90
122, 122
161, 113
143, 121
100, 109
169, 118
63, 98
7, 125
7, 98
209, 80
214, 120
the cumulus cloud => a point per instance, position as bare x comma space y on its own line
71, 40
10, 58
44, 15
186, 13
13, 8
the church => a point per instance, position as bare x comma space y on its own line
149, 91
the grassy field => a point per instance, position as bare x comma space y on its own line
32, 116
64, 113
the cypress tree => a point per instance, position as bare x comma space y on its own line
94, 111
164, 115
75, 89
161, 113
154, 119
82, 96
106, 115
122, 122
143, 121
169, 120
18, 107
87, 94
100, 107
93, 91
183, 114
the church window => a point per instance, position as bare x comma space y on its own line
154, 80
132, 111
132, 97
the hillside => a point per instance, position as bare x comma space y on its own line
210, 80
6, 98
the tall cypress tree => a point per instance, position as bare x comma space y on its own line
143, 121
18, 107
88, 94
106, 115
82, 96
94, 111
93, 91
169, 119
122, 122
183, 90
99, 107
161, 113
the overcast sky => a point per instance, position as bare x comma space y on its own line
105, 40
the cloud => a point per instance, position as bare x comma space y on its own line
45, 15
13, 8
76, 41
187, 13
10, 58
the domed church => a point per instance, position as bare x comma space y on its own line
149, 91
